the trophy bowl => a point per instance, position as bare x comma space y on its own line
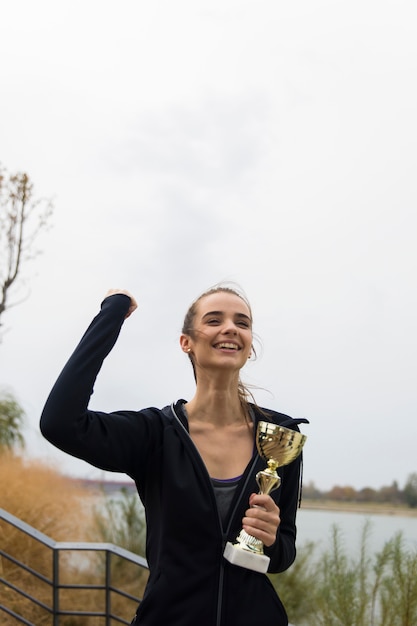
278, 446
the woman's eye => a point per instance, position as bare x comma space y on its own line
213, 321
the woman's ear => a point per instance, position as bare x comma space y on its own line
185, 343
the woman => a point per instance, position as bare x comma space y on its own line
194, 465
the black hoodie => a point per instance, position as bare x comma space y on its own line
190, 583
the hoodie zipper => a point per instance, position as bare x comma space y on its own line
224, 534
224, 540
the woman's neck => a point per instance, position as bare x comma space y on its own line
217, 404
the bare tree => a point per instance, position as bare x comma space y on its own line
22, 218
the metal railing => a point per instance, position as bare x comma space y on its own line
53, 581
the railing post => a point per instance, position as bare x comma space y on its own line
108, 585
55, 586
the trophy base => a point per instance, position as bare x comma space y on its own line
238, 556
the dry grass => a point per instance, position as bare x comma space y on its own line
56, 506
40, 496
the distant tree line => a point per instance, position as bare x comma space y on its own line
390, 495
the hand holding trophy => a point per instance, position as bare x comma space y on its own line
278, 446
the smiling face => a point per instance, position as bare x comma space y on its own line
221, 334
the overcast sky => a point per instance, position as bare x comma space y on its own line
189, 142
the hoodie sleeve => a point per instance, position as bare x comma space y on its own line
102, 439
283, 552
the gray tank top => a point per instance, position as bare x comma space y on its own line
224, 491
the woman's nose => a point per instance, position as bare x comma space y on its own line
230, 328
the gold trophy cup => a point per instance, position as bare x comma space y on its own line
278, 446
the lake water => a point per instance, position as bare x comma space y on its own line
316, 526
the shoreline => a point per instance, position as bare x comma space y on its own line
367, 508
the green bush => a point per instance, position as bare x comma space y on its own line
296, 586
399, 586
338, 590
121, 521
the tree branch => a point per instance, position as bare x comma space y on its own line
18, 229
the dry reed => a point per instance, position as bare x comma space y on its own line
62, 510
